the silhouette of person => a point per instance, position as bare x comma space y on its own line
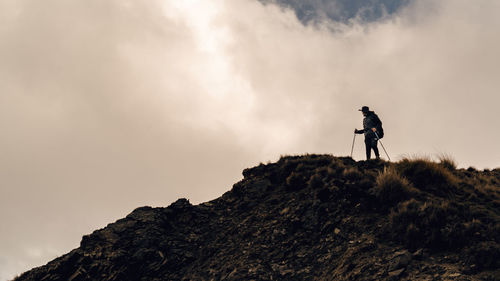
371, 124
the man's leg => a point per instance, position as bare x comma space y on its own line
368, 146
375, 148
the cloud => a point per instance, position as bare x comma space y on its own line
107, 106
341, 10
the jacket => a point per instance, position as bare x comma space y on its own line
370, 121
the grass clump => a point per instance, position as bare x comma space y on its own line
437, 225
447, 161
352, 174
296, 181
418, 224
428, 176
336, 167
316, 181
392, 188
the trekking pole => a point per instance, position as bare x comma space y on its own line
382, 146
352, 148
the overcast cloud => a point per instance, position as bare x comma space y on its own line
106, 106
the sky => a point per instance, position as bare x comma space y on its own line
308, 11
106, 106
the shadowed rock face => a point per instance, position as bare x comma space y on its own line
341, 10
314, 217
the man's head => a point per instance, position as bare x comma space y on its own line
365, 110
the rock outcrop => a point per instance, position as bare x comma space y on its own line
313, 217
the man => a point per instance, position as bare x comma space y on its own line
371, 124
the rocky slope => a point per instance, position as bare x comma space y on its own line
313, 217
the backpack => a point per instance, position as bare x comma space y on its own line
380, 130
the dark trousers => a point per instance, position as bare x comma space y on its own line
371, 143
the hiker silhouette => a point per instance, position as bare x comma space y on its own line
372, 128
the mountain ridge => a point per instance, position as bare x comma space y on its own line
311, 217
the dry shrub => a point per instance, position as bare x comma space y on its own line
428, 176
435, 225
336, 167
488, 189
447, 161
392, 188
485, 190
295, 181
352, 174
487, 183
308, 160
316, 181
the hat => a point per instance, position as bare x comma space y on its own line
364, 109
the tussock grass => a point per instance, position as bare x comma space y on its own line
428, 176
316, 181
432, 224
296, 181
336, 167
392, 188
447, 161
352, 173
